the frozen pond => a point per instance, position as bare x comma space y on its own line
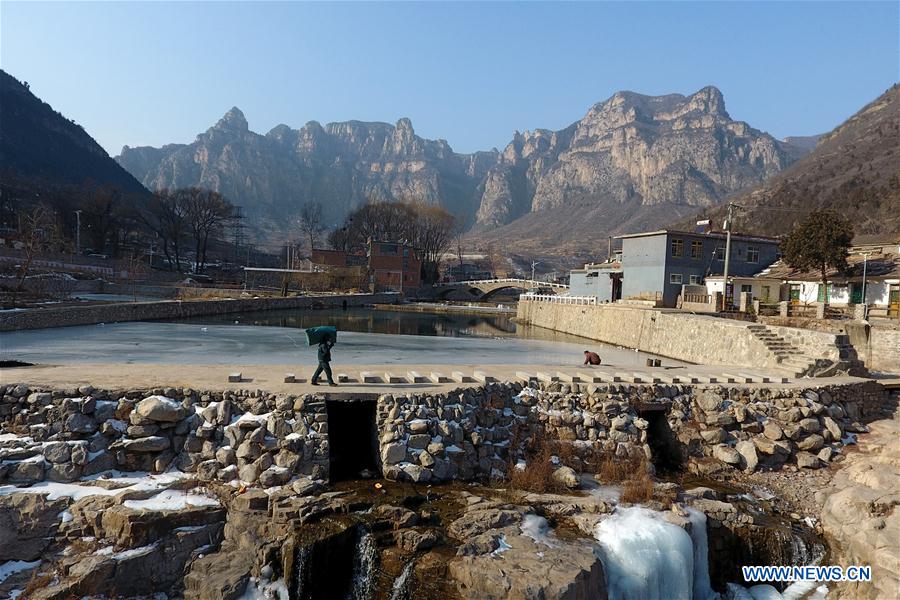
277, 337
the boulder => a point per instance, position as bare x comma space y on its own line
80, 423
810, 425
749, 458
27, 471
410, 540
479, 520
273, 476
708, 401
566, 476
28, 523
773, 431
57, 452
805, 460
832, 426
713, 436
393, 453
726, 454
153, 443
160, 409
812, 442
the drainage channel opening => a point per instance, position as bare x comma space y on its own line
665, 450
352, 439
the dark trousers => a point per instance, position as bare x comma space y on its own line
323, 366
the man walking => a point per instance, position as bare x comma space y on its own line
324, 363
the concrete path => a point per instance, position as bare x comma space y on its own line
381, 379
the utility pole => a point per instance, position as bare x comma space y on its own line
865, 304
77, 233
728, 220
534, 263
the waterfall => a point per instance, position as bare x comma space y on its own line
364, 568
400, 589
301, 560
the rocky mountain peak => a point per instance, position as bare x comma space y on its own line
233, 120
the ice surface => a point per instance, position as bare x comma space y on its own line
645, 556
502, 547
262, 589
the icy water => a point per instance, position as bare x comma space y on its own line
277, 337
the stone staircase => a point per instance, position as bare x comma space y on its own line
786, 355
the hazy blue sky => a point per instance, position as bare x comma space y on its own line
472, 73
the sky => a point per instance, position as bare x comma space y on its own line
151, 73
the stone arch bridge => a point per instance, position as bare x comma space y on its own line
485, 289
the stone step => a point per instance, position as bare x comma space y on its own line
235, 377
436, 377
591, 377
369, 377
345, 378
291, 378
547, 377
568, 378
482, 377
415, 377
460, 377
526, 376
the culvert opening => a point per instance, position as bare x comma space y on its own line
352, 439
665, 449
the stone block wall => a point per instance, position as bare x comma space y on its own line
469, 434
876, 345
692, 338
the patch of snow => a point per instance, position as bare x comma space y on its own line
65, 517
262, 589
453, 449
105, 551
502, 547
12, 437
537, 528
249, 417
171, 500
848, 439
139, 481
134, 552
11, 567
520, 465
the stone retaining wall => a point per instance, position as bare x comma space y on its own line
471, 434
877, 346
692, 338
146, 311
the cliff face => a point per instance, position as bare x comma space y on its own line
628, 153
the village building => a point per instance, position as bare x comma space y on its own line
392, 266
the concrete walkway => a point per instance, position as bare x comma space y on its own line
381, 379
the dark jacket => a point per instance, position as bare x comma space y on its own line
591, 358
325, 352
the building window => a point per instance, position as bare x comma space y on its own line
677, 248
696, 250
675, 278
752, 254
745, 288
695, 280
719, 254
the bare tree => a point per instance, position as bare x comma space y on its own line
433, 232
165, 215
37, 229
311, 223
205, 212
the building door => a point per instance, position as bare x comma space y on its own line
795, 293
894, 301
824, 292
856, 294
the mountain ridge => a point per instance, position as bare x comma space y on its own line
627, 152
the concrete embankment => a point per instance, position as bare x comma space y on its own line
695, 338
174, 309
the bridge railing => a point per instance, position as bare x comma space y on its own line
531, 282
558, 299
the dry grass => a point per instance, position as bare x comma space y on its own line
638, 489
617, 470
39, 580
537, 476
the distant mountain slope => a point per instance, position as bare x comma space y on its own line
632, 161
39, 145
854, 170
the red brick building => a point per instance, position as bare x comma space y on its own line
392, 265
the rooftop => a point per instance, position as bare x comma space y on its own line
711, 234
882, 263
